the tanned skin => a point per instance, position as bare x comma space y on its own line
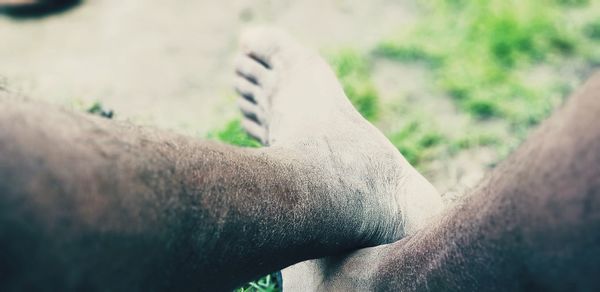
92, 204
533, 224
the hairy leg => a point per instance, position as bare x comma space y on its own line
92, 204
533, 224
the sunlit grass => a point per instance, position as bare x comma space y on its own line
233, 133
264, 284
477, 50
353, 71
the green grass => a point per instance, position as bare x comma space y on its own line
478, 51
233, 133
264, 284
415, 143
98, 109
592, 30
481, 54
353, 70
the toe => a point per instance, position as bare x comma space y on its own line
251, 70
255, 130
251, 111
264, 44
248, 90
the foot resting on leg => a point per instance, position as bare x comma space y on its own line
291, 98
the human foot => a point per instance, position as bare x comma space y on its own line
286, 90
291, 99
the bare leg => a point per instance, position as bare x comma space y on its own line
534, 224
86, 195
291, 99
90, 204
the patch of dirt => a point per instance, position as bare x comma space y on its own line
409, 86
169, 63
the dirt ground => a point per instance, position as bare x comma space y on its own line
169, 63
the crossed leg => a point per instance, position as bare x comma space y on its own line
93, 204
534, 224
290, 98
90, 204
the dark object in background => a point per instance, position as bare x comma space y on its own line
37, 9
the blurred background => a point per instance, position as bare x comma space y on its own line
454, 84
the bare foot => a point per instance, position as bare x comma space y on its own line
290, 98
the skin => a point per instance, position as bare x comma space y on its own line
273, 72
92, 204
290, 98
88, 203
532, 225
